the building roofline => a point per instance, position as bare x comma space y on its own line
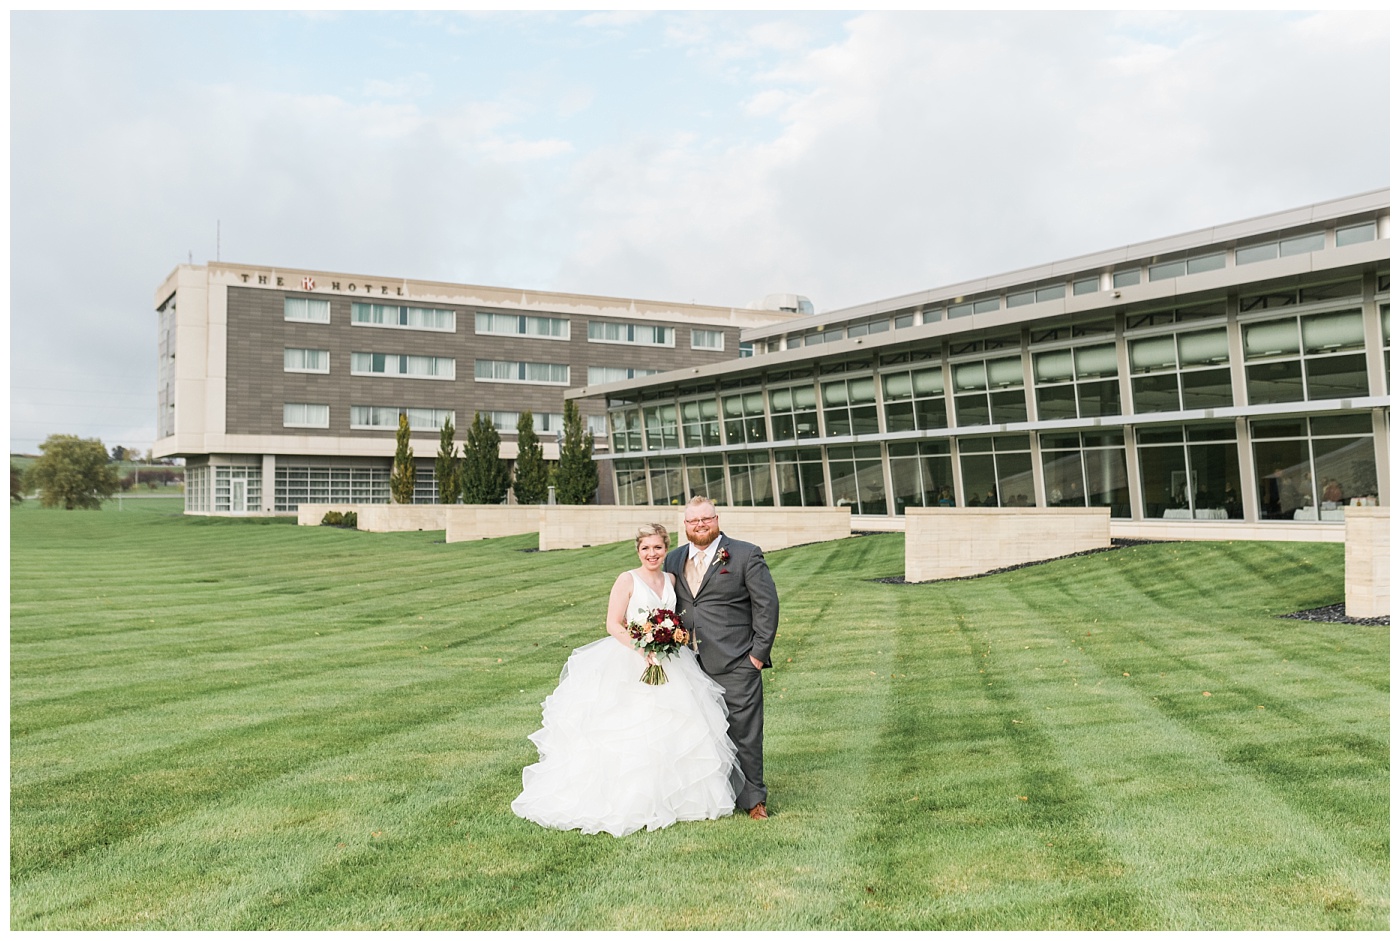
1252, 227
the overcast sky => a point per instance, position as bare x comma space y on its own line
708, 157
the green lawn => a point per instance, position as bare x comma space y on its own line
229, 724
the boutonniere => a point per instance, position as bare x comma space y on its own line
721, 557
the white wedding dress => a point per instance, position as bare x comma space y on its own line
617, 755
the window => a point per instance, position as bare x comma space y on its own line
848, 406
322, 484
750, 480
303, 415
398, 364
794, 412
801, 478
602, 331
1354, 234
1086, 286
1279, 248
914, 399
1081, 382
1184, 266
495, 370
662, 430
667, 481
700, 423
705, 474
409, 318
707, 339
1126, 279
631, 482
1088, 469
626, 429
745, 349
1310, 468
552, 328
299, 360
306, 310
907, 320
870, 326
1190, 472
597, 375
1181, 371
237, 489
989, 392
1050, 292
996, 471
921, 474
546, 423
858, 478
387, 417
743, 418
1332, 364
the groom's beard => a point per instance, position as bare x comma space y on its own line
705, 544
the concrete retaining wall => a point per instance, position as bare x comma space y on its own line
572, 527
400, 518
466, 522
945, 542
1368, 561
311, 514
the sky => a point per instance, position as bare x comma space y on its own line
712, 157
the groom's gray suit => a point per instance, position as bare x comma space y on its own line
734, 615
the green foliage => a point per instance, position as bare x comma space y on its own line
448, 466
249, 725
485, 477
346, 520
401, 477
578, 474
73, 473
531, 472
16, 484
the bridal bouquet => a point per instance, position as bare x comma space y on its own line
660, 634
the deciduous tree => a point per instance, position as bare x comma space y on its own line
531, 484
578, 474
485, 478
73, 473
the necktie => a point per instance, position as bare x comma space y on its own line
694, 574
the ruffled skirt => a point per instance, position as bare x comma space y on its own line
617, 755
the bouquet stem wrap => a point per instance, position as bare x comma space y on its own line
661, 635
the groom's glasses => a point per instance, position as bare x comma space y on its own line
706, 520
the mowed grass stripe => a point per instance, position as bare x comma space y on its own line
897, 772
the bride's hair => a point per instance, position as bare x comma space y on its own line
653, 529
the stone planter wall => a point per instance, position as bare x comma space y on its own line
945, 542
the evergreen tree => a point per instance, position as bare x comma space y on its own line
448, 467
73, 473
401, 477
578, 474
531, 474
485, 478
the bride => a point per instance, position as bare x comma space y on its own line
616, 754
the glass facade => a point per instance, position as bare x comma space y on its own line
1178, 413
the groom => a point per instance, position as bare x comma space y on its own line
729, 604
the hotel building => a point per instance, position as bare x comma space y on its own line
280, 387
1235, 373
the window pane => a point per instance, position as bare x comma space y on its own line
1015, 482
1051, 292
1124, 279
1300, 245
1170, 269
1246, 256
1055, 402
1271, 338
1215, 478
1155, 393
1346, 468
1094, 361
1275, 382
1164, 488
1356, 233
1327, 332
1337, 377
1064, 479
1284, 478
928, 381
1086, 286
1020, 299
1008, 406
1210, 346
969, 376
1206, 388
930, 413
979, 479
1152, 354
1101, 397
972, 409
1054, 366
1205, 263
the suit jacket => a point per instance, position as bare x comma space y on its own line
734, 615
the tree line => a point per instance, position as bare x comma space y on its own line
78, 473
478, 474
